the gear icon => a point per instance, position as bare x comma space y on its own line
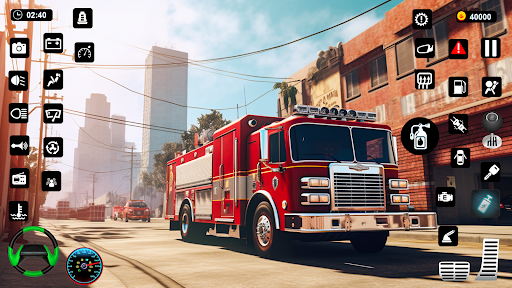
421, 19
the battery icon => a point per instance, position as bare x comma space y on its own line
484, 205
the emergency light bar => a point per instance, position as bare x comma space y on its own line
334, 113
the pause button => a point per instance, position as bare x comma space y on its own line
491, 48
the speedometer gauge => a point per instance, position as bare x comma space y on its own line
84, 266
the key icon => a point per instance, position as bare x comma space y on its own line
492, 171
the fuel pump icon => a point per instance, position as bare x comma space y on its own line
420, 136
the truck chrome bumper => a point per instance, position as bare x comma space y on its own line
347, 222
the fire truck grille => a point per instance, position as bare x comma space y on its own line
358, 190
138, 213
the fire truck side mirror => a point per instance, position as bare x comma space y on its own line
395, 149
264, 145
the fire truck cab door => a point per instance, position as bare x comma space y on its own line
224, 188
170, 197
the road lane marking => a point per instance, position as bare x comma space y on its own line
358, 265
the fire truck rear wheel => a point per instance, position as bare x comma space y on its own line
190, 232
369, 242
268, 241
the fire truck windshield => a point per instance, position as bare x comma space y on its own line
373, 145
330, 143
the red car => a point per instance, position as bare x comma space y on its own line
136, 209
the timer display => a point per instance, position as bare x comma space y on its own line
31, 15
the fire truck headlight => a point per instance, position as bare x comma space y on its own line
284, 204
400, 199
398, 184
130, 210
314, 183
315, 198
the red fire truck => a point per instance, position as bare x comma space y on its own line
321, 174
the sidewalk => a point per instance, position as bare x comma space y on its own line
467, 233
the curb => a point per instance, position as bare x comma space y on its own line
433, 237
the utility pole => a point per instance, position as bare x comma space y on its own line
131, 174
93, 184
39, 184
94, 180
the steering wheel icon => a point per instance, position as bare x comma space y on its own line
33, 251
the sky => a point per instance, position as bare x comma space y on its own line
203, 29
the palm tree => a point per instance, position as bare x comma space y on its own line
288, 93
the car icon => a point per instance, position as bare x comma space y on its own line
460, 156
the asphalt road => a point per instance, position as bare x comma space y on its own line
139, 254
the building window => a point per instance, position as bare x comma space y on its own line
277, 147
379, 71
404, 56
499, 25
352, 80
439, 32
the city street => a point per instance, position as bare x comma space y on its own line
139, 254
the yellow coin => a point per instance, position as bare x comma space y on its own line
461, 16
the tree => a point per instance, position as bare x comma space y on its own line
211, 120
288, 92
157, 178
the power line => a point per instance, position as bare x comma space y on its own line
90, 135
180, 105
190, 61
94, 171
119, 121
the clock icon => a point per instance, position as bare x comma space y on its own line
84, 52
17, 14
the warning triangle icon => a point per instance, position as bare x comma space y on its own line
458, 49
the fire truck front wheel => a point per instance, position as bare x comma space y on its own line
369, 242
190, 232
268, 241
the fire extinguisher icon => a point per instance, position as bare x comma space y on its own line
420, 136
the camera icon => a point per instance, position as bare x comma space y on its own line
53, 43
19, 47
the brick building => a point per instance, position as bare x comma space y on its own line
374, 71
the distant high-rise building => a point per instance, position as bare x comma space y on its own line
101, 148
168, 83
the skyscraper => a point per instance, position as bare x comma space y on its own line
166, 79
101, 149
